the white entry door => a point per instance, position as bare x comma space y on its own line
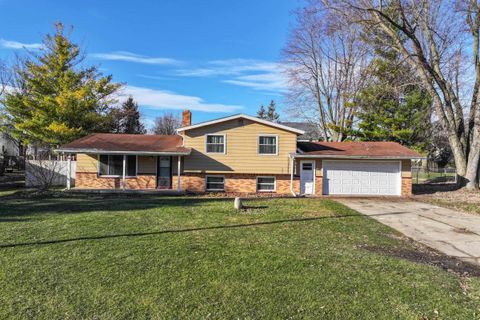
356, 177
307, 177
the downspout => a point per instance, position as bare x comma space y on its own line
292, 162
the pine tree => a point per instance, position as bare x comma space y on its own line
130, 122
56, 99
394, 107
272, 115
261, 113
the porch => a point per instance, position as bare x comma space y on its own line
125, 172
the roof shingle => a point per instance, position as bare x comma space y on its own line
113, 142
360, 149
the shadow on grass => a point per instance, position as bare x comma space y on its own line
32, 204
425, 255
232, 226
185, 230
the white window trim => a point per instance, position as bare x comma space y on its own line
274, 184
214, 176
276, 144
114, 175
224, 142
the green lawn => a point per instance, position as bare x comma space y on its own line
111, 257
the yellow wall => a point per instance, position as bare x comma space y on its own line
241, 149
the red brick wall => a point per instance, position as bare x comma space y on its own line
241, 183
89, 180
406, 186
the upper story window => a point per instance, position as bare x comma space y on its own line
215, 143
268, 144
112, 165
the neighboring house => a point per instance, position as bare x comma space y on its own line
311, 131
240, 154
7, 145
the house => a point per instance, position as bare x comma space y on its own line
240, 154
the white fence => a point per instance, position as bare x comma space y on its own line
40, 173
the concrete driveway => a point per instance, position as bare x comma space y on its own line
453, 233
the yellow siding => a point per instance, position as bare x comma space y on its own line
241, 149
146, 165
87, 163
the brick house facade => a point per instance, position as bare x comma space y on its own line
240, 154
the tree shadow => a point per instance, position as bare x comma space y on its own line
419, 189
33, 204
183, 230
426, 255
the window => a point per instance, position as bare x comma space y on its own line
215, 143
307, 166
215, 183
267, 145
112, 165
265, 184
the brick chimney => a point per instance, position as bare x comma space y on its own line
186, 118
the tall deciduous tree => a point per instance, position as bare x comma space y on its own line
167, 124
440, 40
323, 59
55, 99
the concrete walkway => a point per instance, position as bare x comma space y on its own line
453, 233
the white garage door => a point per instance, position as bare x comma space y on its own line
361, 177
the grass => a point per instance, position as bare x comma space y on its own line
111, 257
464, 206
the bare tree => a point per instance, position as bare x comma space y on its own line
324, 58
6, 78
166, 124
440, 40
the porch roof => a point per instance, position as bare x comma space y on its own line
138, 144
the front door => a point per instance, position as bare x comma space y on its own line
307, 174
164, 172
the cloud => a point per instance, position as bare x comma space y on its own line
274, 81
132, 57
229, 67
10, 44
161, 99
254, 74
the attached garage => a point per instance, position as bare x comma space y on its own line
353, 168
355, 177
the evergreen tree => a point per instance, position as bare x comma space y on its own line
130, 122
261, 113
56, 100
393, 107
272, 115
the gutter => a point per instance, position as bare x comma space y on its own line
146, 153
315, 156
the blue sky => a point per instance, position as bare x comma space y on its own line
215, 57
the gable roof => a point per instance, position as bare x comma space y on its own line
114, 143
244, 116
383, 150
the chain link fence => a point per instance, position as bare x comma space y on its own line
422, 175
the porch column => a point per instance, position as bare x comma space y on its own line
178, 172
69, 171
123, 172
292, 168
